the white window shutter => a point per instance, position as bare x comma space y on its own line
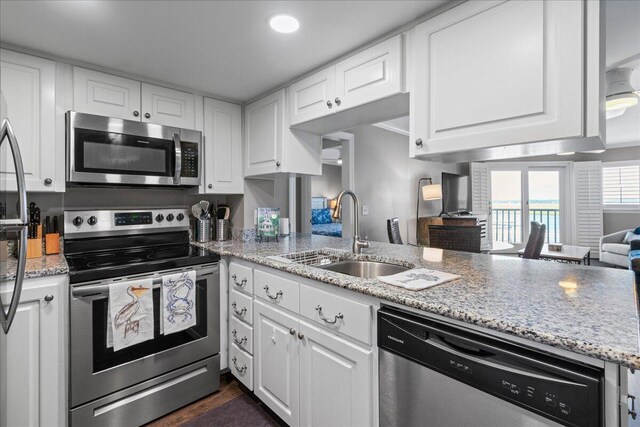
480, 203
587, 198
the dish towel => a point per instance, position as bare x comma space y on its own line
130, 313
418, 279
178, 302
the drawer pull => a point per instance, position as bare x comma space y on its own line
241, 283
236, 340
273, 297
239, 369
335, 318
235, 309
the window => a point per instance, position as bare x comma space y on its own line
621, 185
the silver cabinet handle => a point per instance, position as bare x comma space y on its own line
210, 186
235, 309
241, 283
329, 104
147, 115
48, 298
300, 335
292, 331
273, 297
337, 101
419, 142
235, 365
236, 340
335, 318
278, 164
177, 146
48, 182
632, 411
136, 114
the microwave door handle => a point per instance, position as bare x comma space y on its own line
7, 132
177, 146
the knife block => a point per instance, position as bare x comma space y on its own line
52, 243
34, 246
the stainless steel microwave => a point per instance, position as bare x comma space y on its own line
109, 151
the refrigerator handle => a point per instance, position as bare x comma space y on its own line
6, 318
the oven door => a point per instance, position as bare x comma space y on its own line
97, 370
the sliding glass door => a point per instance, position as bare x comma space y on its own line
524, 193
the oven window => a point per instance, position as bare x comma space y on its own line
104, 357
108, 152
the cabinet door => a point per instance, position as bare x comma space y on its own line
28, 85
264, 129
336, 379
277, 364
369, 75
168, 107
105, 94
32, 368
312, 97
222, 148
520, 82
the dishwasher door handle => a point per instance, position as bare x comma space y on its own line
441, 345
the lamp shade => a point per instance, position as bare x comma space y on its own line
432, 192
333, 203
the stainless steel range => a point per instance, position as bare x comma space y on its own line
142, 382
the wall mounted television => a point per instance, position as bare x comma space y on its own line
455, 193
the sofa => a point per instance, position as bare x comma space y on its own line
613, 251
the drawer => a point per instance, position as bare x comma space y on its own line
277, 290
337, 313
241, 365
241, 334
241, 306
240, 278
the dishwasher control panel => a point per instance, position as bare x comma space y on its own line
558, 389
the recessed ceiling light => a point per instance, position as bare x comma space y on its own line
283, 23
568, 153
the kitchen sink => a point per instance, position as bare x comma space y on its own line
364, 269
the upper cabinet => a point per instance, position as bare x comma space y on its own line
525, 80
222, 148
372, 74
112, 96
28, 84
271, 147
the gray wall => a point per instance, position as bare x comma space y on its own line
386, 180
616, 221
329, 184
263, 193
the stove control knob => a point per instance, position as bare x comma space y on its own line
92, 220
180, 217
77, 221
159, 218
170, 217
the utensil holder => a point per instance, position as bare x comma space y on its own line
34, 246
52, 243
4, 250
203, 230
222, 230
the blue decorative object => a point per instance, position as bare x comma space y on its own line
636, 231
321, 216
334, 229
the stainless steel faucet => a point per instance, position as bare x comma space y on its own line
358, 244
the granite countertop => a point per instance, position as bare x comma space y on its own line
587, 310
48, 265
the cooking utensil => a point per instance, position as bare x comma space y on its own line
223, 212
204, 207
47, 225
55, 224
36, 215
196, 211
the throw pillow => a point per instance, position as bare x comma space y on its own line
636, 231
626, 237
321, 216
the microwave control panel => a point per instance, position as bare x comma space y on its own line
189, 160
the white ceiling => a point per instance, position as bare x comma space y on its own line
223, 48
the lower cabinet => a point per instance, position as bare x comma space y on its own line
32, 364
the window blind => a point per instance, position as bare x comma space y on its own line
621, 185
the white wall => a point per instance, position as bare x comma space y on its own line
329, 184
386, 180
263, 193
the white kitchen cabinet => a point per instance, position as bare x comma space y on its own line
523, 81
336, 380
264, 122
32, 356
169, 107
222, 148
277, 361
105, 94
114, 96
28, 84
367, 76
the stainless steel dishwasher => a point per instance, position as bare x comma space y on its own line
436, 374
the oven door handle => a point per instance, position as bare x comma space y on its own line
177, 146
85, 291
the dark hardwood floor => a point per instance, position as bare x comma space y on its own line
229, 390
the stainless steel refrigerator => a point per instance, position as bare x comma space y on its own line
13, 219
